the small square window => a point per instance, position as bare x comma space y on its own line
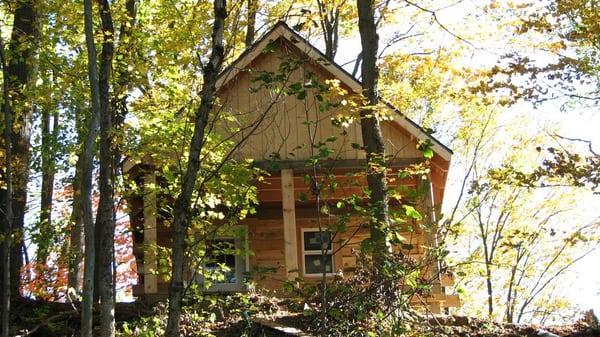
223, 258
220, 257
313, 264
317, 252
317, 241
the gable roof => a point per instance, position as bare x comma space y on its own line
282, 30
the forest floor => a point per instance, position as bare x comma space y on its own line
50, 319
460, 326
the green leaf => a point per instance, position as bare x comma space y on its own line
411, 212
296, 87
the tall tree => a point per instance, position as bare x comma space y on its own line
49, 130
76, 238
251, 24
182, 205
20, 58
373, 141
86, 177
105, 218
6, 207
330, 23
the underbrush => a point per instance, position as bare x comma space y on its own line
207, 315
372, 301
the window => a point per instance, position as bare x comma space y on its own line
314, 244
220, 258
223, 260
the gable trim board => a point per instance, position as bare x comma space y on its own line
282, 30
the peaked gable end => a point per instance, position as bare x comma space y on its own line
309, 53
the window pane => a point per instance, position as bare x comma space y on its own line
317, 240
313, 264
220, 257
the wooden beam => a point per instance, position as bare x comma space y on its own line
150, 263
431, 216
127, 166
289, 223
451, 301
447, 280
338, 164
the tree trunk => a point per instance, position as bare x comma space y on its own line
182, 205
251, 26
330, 19
76, 231
48, 140
105, 225
22, 49
373, 141
118, 104
7, 218
86, 176
509, 292
126, 49
490, 290
488, 258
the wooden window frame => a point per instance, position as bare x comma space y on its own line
241, 267
304, 253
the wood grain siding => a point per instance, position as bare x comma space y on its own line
284, 131
267, 261
347, 243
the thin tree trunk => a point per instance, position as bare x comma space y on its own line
357, 64
509, 298
373, 141
182, 205
76, 231
488, 258
118, 103
7, 216
251, 26
330, 19
48, 140
105, 226
490, 289
22, 49
86, 177
122, 73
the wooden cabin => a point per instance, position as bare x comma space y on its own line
283, 235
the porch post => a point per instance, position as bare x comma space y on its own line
150, 263
432, 240
289, 223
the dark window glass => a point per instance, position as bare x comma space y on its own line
220, 256
317, 241
313, 264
